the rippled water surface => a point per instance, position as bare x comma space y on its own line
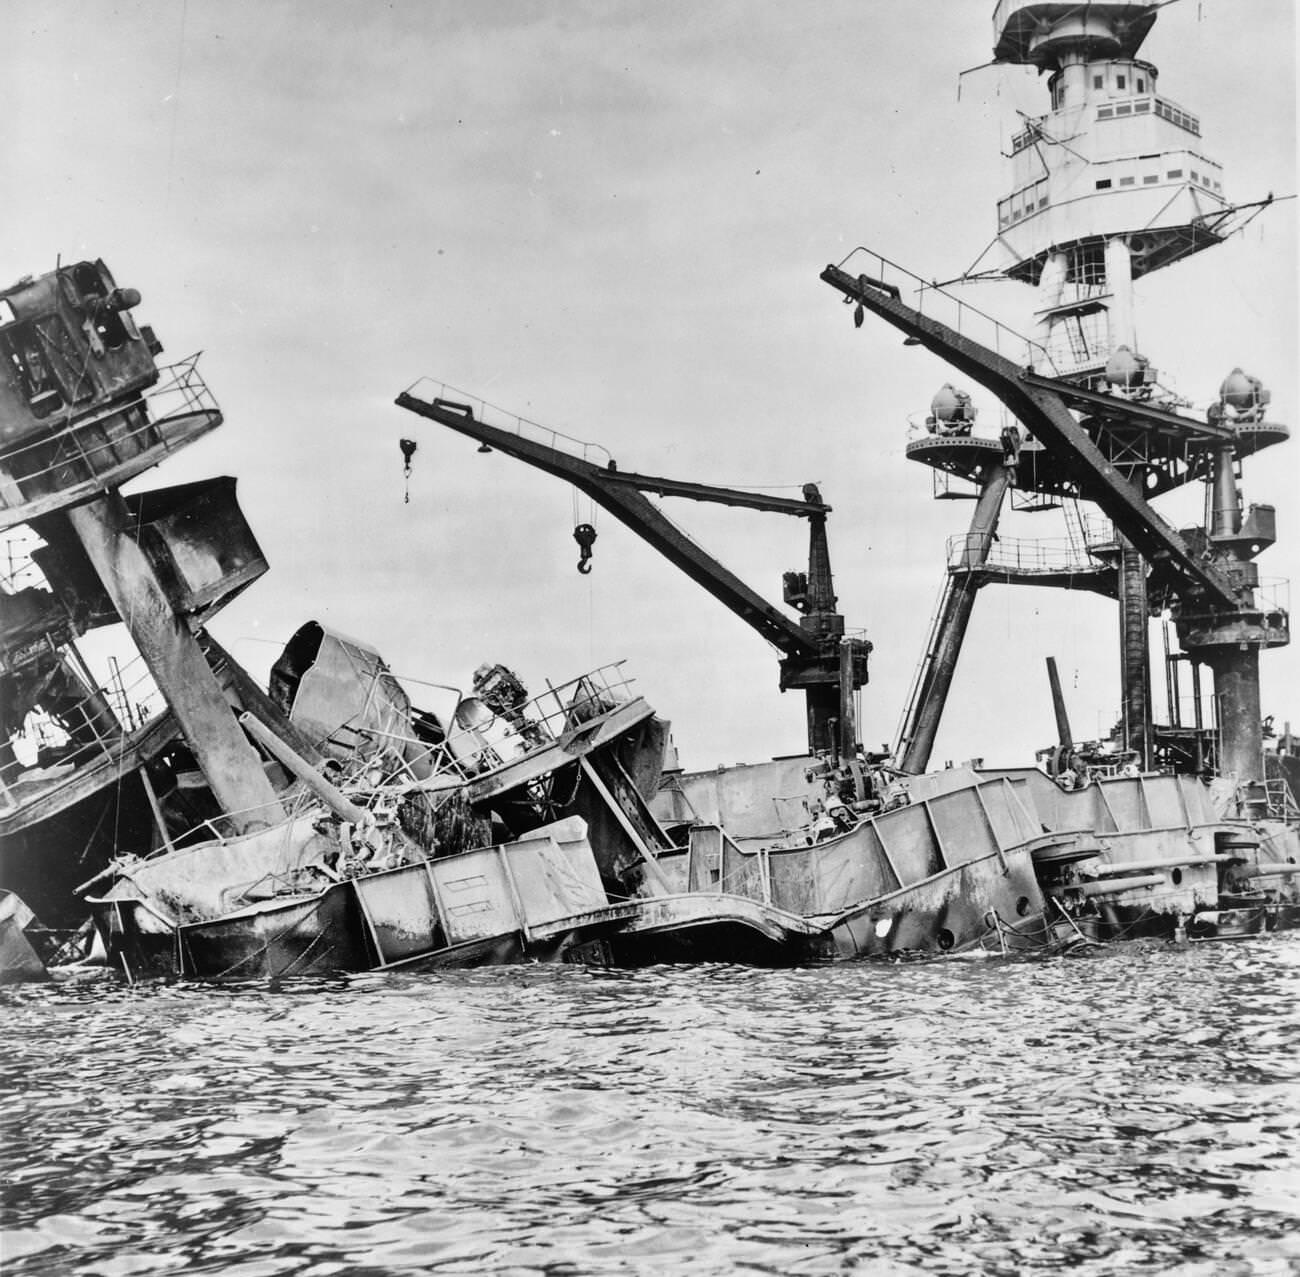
1136, 1111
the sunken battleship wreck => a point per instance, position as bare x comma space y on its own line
345, 819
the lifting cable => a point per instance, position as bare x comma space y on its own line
408, 447
584, 531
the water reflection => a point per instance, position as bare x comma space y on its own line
1133, 1112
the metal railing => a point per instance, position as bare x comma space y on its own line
180, 391
1031, 133
1024, 556
1278, 799
179, 394
1273, 594
427, 389
934, 302
480, 739
1087, 531
919, 427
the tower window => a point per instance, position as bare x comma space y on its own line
20, 348
103, 324
1142, 85
1121, 81
1098, 81
1086, 265
1104, 184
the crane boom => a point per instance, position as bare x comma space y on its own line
619, 495
709, 492
814, 649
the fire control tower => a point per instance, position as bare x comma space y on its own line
1112, 183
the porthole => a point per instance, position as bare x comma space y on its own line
946, 939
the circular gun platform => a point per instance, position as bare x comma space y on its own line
1156, 461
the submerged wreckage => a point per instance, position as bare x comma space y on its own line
330, 822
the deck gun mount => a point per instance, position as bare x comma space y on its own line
817, 656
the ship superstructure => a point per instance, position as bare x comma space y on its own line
90, 762
328, 823
1110, 184
1114, 182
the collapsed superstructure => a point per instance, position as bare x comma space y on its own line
216, 827
340, 819
91, 760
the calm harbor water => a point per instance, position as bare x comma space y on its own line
1136, 1111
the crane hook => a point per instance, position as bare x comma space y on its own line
585, 535
408, 447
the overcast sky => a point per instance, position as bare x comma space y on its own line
610, 217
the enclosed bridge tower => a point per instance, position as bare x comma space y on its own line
1111, 184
